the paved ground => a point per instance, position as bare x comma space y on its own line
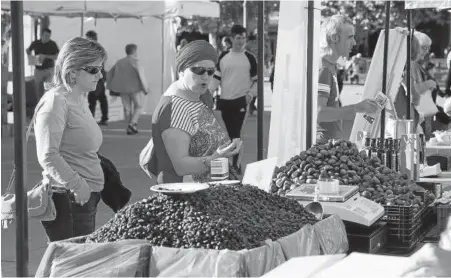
123, 150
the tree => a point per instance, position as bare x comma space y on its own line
231, 12
371, 14
369, 18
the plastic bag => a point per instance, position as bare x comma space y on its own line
125, 258
260, 260
331, 233
302, 243
173, 262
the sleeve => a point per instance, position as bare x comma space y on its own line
175, 116
56, 50
50, 122
324, 83
31, 47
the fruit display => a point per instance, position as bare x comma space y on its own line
231, 217
341, 160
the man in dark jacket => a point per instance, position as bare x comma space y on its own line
99, 93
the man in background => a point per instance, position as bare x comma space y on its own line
45, 52
236, 74
99, 93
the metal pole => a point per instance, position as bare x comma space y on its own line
260, 84
162, 53
409, 42
309, 108
384, 71
19, 140
82, 25
244, 13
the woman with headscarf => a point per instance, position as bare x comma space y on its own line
186, 134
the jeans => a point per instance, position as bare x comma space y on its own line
132, 104
72, 219
99, 94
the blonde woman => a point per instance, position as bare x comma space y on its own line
68, 138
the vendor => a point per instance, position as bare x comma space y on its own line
338, 42
186, 134
432, 260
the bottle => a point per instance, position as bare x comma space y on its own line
368, 146
388, 152
373, 148
381, 150
421, 150
396, 154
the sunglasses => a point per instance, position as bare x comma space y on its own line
202, 70
92, 70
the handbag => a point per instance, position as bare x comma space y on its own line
39, 199
148, 160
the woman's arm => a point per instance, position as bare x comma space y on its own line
49, 128
177, 144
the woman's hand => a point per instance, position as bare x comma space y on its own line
82, 194
230, 149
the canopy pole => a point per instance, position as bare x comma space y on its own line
19, 138
162, 53
309, 108
260, 80
409, 49
82, 27
384, 70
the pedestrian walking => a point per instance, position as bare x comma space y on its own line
45, 52
127, 79
99, 93
185, 132
68, 139
236, 74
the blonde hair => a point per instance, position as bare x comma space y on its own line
75, 54
423, 39
332, 26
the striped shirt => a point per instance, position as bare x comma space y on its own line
328, 89
194, 118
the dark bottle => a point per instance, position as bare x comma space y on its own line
388, 152
373, 147
381, 150
421, 150
396, 156
368, 146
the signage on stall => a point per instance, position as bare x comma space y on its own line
260, 173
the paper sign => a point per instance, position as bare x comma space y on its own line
260, 173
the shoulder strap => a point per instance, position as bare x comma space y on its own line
12, 179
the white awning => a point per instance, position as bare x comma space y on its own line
118, 9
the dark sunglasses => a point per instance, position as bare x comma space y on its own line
92, 70
202, 70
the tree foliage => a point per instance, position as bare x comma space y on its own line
231, 12
371, 14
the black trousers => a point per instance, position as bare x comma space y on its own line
233, 113
99, 95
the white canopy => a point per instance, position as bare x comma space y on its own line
118, 9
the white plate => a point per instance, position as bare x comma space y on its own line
179, 188
225, 182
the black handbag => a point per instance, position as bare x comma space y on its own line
114, 193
